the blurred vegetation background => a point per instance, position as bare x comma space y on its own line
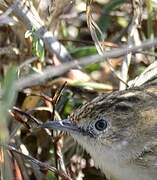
82, 28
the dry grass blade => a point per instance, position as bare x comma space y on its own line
132, 39
149, 73
94, 28
37, 162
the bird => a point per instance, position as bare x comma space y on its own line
119, 131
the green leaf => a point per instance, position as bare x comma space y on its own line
37, 44
9, 88
92, 67
7, 101
105, 19
40, 52
83, 51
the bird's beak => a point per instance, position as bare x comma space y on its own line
62, 125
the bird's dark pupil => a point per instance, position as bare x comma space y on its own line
101, 125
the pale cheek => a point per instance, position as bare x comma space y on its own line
88, 144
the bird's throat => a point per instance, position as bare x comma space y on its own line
115, 165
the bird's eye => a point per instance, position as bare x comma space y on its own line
101, 124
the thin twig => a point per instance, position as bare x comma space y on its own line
27, 115
58, 144
94, 29
132, 31
37, 162
50, 72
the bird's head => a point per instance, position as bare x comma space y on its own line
113, 122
